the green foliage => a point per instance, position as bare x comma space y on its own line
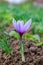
22, 12
38, 28
39, 43
13, 33
3, 42
5, 46
35, 38
27, 35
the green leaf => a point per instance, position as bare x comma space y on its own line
27, 35
14, 34
42, 38
5, 46
35, 38
39, 43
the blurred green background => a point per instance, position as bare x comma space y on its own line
24, 12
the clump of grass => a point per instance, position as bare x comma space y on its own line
3, 42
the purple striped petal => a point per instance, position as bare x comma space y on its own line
14, 24
27, 25
20, 26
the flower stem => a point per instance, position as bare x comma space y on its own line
23, 57
22, 51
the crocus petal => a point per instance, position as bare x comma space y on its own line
20, 26
14, 24
27, 24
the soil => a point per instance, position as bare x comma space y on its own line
33, 53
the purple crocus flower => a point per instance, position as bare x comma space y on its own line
20, 27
